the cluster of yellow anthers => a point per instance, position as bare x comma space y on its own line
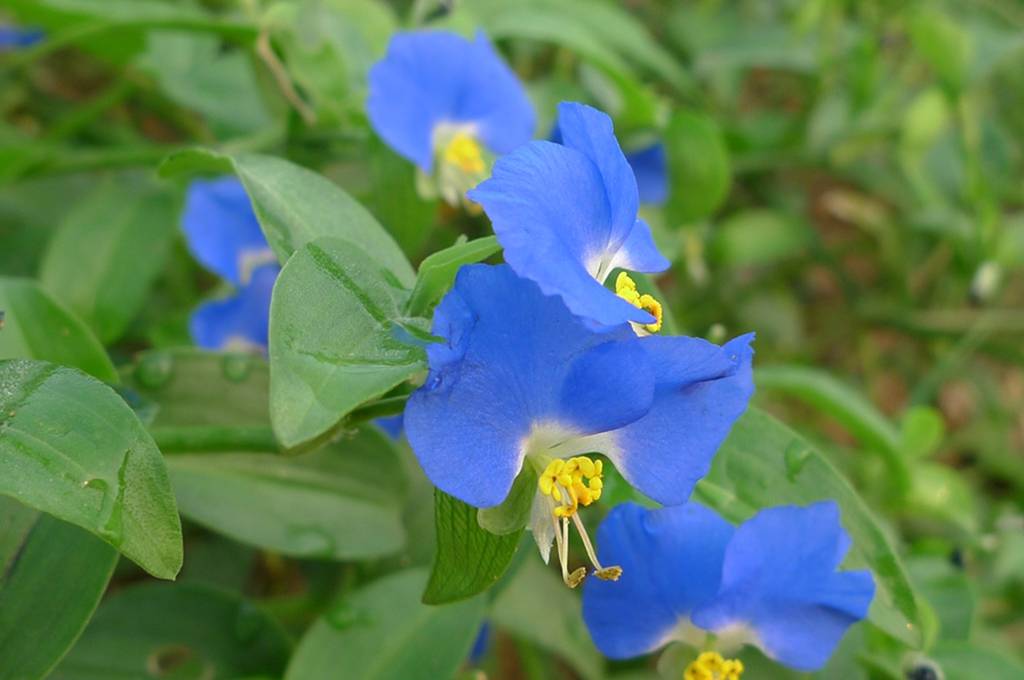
625, 288
463, 151
711, 666
571, 483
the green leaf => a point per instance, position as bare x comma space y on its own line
469, 559
35, 326
72, 448
197, 72
333, 341
763, 463
193, 387
514, 512
536, 606
182, 631
330, 46
943, 43
341, 502
126, 233
972, 660
383, 631
758, 237
296, 206
837, 399
938, 492
948, 590
437, 271
52, 576
390, 194
698, 167
117, 29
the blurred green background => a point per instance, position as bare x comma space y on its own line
847, 179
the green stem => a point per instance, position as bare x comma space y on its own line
215, 439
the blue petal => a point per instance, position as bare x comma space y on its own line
547, 205
650, 167
510, 353
701, 392
671, 561
608, 386
392, 425
590, 132
779, 579
222, 230
480, 645
432, 77
12, 37
566, 215
240, 321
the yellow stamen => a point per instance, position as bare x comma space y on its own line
625, 288
571, 483
464, 152
711, 666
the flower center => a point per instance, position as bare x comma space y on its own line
463, 151
711, 666
569, 484
625, 288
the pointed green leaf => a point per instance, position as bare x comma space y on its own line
437, 271
334, 339
70, 446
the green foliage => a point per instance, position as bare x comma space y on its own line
35, 326
844, 178
469, 558
336, 338
72, 448
53, 577
193, 631
128, 238
384, 631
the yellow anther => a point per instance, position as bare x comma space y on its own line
625, 288
576, 577
711, 666
571, 483
464, 152
609, 573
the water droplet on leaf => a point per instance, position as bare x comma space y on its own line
155, 370
236, 367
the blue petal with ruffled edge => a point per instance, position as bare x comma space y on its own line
650, 166
222, 231
780, 581
238, 322
519, 373
566, 216
702, 390
430, 78
671, 561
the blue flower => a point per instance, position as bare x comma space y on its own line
566, 215
12, 37
520, 379
772, 582
650, 166
437, 95
223, 234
